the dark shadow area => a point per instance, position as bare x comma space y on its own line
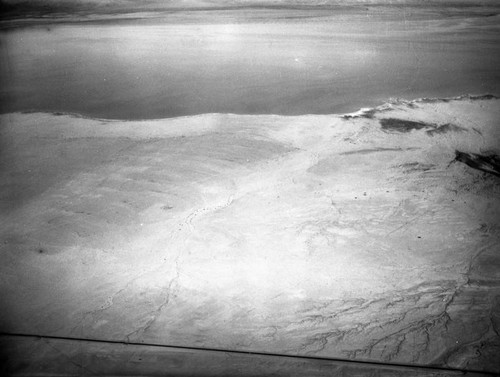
488, 164
402, 125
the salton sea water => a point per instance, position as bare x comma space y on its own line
176, 66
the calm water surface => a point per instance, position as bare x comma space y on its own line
157, 69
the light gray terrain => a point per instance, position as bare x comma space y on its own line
327, 236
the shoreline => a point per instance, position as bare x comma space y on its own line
389, 102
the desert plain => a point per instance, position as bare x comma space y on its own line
357, 236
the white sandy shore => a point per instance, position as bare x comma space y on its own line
319, 235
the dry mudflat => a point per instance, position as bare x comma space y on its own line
358, 236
